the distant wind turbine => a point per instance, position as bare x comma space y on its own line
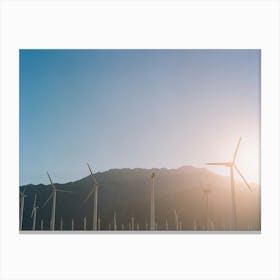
153, 202
206, 192
115, 222
194, 225
94, 191
132, 223
22, 197
166, 225
212, 225
34, 213
53, 195
232, 166
42, 224
176, 220
72, 224
85, 223
61, 223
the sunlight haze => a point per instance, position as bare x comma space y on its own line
137, 108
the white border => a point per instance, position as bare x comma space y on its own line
125, 24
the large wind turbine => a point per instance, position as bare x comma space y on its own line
232, 166
153, 202
53, 195
94, 191
34, 213
22, 197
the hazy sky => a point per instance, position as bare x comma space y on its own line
136, 108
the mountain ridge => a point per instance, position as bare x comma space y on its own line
126, 191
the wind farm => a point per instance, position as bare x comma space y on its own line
139, 141
179, 206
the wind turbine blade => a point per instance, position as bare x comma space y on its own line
90, 169
92, 174
64, 191
88, 196
235, 167
47, 200
34, 204
236, 149
50, 180
22, 193
218, 163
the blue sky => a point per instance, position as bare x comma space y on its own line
136, 108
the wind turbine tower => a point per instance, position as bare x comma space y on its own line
61, 223
153, 202
34, 213
94, 191
53, 195
166, 225
115, 222
232, 166
176, 220
206, 192
132, 223
85, 223
22, 197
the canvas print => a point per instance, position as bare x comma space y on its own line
139, 141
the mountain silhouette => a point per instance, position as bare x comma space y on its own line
126, 192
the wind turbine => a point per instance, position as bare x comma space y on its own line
132, 223
153, 202
194, 225
42, 224
61, 223
206, 192
22, 197
166, 225
34, 213
85, 223
53, 195
72, 224
212, 225
232, 166
94, 191
176, 220
115, 222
